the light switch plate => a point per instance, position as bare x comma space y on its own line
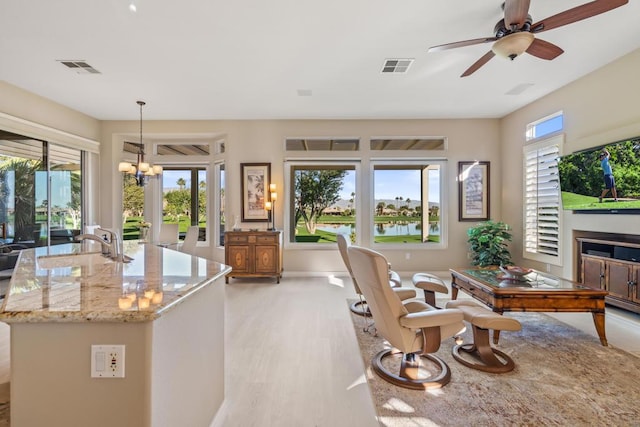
107, 361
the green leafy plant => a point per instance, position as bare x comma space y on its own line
488, 244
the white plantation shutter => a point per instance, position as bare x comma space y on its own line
542, 200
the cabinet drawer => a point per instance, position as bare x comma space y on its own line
267, 239
236, 238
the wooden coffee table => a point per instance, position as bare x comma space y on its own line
538, 292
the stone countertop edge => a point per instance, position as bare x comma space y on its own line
108, 312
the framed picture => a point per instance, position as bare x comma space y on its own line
473, 191
255, 181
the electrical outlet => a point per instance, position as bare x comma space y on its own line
548, 268
107, 361
407, 256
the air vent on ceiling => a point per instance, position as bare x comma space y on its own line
396, 65
79, 66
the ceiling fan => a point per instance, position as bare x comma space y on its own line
514, 34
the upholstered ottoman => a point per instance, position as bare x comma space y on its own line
482, 320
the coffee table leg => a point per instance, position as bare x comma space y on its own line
454, 288
598, 321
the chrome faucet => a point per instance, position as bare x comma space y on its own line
110, 241
106, 246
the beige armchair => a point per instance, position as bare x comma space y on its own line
414, 329
360, 307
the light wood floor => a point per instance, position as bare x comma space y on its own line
293, 361
292, 356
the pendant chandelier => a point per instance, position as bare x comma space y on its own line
142, 170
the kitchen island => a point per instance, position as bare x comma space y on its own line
165, 307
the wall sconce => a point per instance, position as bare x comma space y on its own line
142, 170
272, 205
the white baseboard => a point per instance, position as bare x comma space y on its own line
220, 420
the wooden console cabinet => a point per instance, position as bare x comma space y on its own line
253, 254
614, 266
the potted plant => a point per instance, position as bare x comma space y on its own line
488, 244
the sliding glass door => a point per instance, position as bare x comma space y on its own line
40, 192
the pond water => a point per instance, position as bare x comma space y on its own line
384, 229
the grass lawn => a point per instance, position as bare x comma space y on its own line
131, 231
576, 202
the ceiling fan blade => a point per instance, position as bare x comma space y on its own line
515, 12
463, 43
544, 50
479, 63
577, 13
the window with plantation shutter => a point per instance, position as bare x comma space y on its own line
542, 201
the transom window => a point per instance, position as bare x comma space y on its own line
545, 126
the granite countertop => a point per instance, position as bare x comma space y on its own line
74, 282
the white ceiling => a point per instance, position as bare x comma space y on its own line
247, 59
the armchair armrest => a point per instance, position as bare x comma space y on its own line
404, 293
426, 319
394, 279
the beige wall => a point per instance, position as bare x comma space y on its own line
601, 107
263, 141
25, 105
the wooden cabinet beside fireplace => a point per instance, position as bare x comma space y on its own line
253, 254
613, 266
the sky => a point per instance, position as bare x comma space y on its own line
389, 184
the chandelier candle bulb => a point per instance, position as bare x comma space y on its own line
124, 167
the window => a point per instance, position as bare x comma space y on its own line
184, 194
323, 201
408, 144
221, 201
542, 201
322, 144
545, 126
407, 202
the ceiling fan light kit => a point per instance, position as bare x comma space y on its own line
514, 34
513, 45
